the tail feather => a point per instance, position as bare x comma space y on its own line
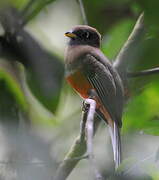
116, 144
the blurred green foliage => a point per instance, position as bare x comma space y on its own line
35, 7
116, 37
142, 111
8, 75
115, 20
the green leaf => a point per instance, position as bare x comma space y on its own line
36, 7
116, 37
13, 76
36, 111
142, 110
8, 73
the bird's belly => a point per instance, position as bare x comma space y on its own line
80, 83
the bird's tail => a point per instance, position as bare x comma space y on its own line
116, 143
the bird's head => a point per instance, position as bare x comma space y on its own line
84, 35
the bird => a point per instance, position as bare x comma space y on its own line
88, 70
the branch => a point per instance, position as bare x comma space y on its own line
125, 55
89, 135
77, 149
143, 73
83, 13
89, 125
76, 152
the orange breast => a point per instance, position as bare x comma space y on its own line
80, 83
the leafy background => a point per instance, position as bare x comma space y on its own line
54, 117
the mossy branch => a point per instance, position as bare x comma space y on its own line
78, 149
76, 152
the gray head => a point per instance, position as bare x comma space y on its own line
84, 35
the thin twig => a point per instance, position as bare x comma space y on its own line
83, 12
89, 135
126, 54
143, 73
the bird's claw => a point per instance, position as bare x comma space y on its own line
85, 107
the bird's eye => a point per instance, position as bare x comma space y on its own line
84, 35
87, 34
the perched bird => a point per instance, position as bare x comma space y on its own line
88, 70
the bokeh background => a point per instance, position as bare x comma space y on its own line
40, 114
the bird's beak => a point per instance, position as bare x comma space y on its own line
70, 35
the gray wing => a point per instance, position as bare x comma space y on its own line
107, 85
